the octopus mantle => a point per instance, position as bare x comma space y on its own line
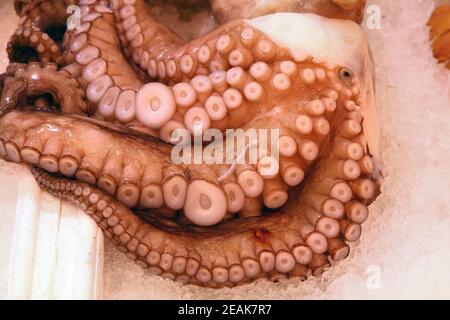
93, 112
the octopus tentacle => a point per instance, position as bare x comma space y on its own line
31, 44
316, 219
138, 29
228, 92
208, 261
230, 97
44, 78
39, 36
148, 179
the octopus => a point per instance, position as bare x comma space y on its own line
439, 24
96, 113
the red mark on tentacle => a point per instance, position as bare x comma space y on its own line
262, 235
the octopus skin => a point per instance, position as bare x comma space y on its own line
439, 24
41, 29
226, 11
96, 129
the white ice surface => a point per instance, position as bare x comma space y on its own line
404, 251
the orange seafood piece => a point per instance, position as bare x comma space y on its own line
439, 24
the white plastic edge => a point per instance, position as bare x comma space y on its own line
57, 250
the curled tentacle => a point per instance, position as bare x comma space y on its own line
24, 84
30, 44
39, 36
